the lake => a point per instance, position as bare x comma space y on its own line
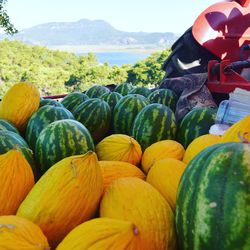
119, 58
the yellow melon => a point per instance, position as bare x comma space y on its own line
198, 144
112, 170
239, 132
103, 234
119, 147
65, 196
19, 103
160, 150
17, 233
135, 200
16, 180
165, 176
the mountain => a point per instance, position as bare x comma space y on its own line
88, 32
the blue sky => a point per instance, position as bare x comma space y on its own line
127, 15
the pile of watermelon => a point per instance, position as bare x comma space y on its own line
209, 213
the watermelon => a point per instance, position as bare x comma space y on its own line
41, 119
141, 91
123, 88
96, 91
73, 100
213, 199
9, 140
154, 123
166, 97
51, 102
194, 124
111, 98
95, 115
6, 125
61, 139
125, 112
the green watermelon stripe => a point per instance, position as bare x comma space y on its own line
125, 113
185, 184
196, 123
6, 125
41, 119
61, 139
155, 122
164, 96
9, 139
200, 218
95, 115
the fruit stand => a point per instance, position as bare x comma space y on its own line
115, 170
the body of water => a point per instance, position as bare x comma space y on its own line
119, 58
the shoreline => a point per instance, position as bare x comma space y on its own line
82, 49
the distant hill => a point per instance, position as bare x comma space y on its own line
87, 32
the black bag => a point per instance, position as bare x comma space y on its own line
187, 57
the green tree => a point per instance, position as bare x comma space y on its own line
57, 72
5, 20
148, 72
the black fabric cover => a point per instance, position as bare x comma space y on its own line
187, 57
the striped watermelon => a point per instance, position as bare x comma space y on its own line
154, 123
73, 100
61, 139
123, 88
125, 112
51, 102
213, 199
6, 125
41, 119
9, 140
141, 91
194, 124
166, 97
96, 91
95, 115
111, 98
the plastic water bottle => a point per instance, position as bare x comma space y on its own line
230, 112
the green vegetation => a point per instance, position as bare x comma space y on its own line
5, 20
57, 72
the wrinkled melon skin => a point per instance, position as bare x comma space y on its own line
165, 177
135, 200
113, 170
238, 132
16, 180
65, 196
103, 234
160, 150
10, 140
198, 144
119, 147
18, 233
19, 103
